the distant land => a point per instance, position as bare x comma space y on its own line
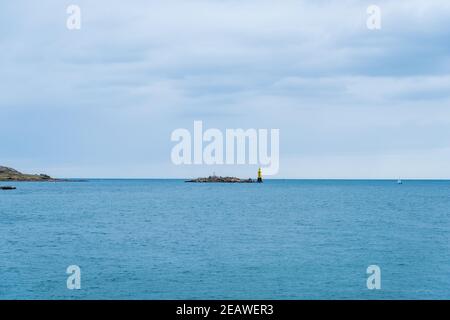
9, 174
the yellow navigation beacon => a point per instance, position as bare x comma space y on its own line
260, 175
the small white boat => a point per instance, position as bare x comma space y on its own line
399, 181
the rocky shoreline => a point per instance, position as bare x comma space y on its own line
216, 179
10, 174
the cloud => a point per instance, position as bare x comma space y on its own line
135, 72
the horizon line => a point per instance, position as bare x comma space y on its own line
187, 178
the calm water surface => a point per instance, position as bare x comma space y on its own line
166, 239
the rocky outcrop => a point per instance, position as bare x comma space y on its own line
216, 179
9, 174
7, 188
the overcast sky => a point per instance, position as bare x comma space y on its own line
349, 102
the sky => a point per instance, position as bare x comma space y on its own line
102, 101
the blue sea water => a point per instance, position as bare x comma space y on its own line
284, 239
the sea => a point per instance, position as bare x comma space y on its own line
282, 239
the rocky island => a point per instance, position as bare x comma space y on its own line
216, 179
9, 174
221, 180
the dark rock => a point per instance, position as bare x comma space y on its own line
7, 188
